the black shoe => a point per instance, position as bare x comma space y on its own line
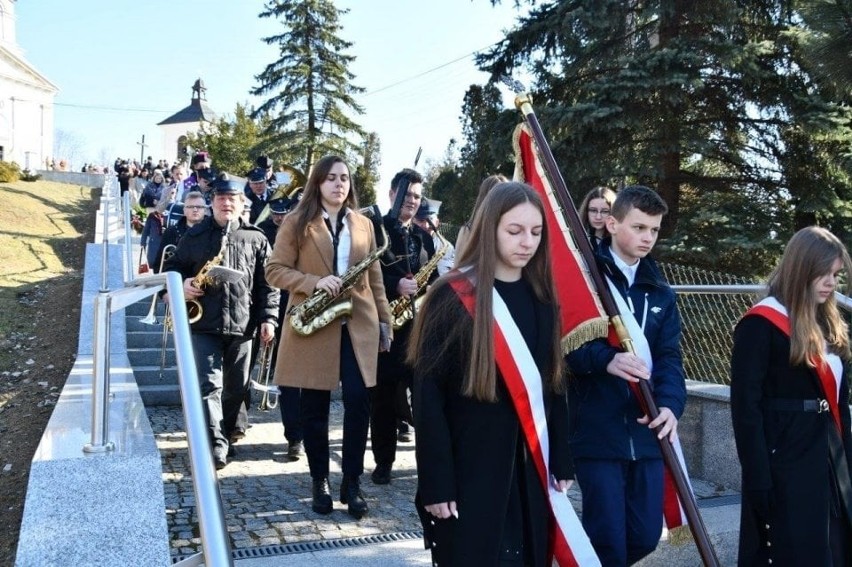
404, 437
322, 503
350, 493
220, 459
295, 450
231, 450
381, 474
237, 435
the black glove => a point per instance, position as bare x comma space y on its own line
761, 503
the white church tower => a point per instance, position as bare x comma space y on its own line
26, 101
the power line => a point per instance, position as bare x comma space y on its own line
373, 92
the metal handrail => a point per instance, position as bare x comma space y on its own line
216, 548
843, 301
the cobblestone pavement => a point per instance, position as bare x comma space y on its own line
267, 499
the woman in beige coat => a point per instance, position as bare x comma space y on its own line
314, 247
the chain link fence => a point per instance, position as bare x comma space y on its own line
708, 320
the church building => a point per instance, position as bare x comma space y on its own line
186, 121
26, 101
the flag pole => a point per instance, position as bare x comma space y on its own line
523, 103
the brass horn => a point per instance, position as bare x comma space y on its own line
269, 397
296, 181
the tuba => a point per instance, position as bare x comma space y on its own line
401, 308
321, 308
296, 182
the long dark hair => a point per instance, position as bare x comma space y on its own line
310, 205
479, 260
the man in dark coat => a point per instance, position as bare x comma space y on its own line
232, 310
409, 249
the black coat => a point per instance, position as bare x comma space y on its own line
236, 308
783, 452
468, 451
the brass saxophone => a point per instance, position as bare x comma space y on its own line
321, 308
401, 308
203, 279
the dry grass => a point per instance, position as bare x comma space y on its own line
44, 228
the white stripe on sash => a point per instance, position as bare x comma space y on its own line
563, 513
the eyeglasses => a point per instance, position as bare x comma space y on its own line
194, 207
601, 212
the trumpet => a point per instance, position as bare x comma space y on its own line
269, 397
151, 318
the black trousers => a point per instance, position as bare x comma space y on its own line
222, 363
389, 399
356, 417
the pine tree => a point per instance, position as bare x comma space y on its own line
706, 101
309, 86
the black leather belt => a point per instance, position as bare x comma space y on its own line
783, 404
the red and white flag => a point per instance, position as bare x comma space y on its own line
583, 315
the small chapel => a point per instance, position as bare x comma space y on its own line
185, 121
26, 101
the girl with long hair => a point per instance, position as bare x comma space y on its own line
790, 410
594, 210
479, 494
314, 246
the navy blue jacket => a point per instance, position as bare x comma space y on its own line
603, 408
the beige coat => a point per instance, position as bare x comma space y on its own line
314, 361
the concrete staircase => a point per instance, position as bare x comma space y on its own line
144, 350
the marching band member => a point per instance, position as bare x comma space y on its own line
231, 311
409, 249
316, 243
481, 494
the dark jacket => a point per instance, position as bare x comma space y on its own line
786, 453
258, 204
171, 236
469, 451
396, 262
395, 266
235, 308
603, 408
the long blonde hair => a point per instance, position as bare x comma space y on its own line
810, 254
480, 255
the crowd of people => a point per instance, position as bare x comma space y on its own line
461, 344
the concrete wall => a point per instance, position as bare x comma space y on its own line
73, 177
707, 436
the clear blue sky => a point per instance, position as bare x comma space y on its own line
123, 66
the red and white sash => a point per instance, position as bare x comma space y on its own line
672, 507
829, 367
569, 543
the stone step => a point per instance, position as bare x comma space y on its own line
142, 308
148, 339
151, 356
160, 395
134, 324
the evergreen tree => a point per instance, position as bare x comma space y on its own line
366, 174
309, 86
709, 102
232, 142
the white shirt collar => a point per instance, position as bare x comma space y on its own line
628, 271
